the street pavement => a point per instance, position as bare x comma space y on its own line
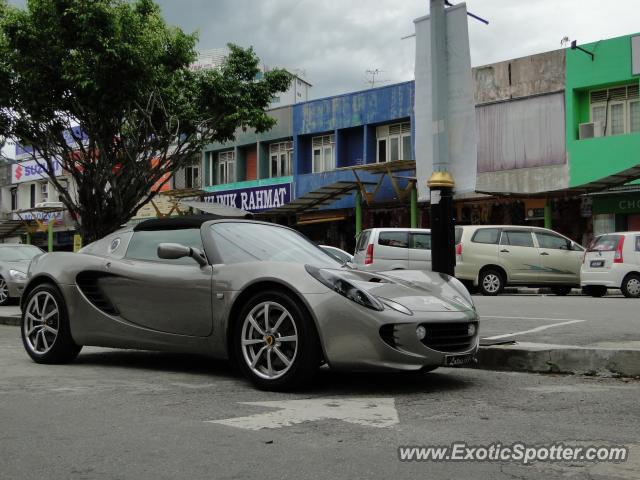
116, 414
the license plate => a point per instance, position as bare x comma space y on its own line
597, 263
456, 360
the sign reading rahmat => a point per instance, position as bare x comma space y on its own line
253, 199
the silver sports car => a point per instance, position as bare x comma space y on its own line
259, 294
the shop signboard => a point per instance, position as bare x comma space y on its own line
253, 199
616, 204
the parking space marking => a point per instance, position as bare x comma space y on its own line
533, 330
370, 412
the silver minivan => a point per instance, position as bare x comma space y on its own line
379, 249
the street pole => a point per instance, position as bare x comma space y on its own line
50, 234
441, 182
358, 212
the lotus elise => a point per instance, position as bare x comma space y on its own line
259, 294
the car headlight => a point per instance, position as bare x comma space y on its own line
17, 275
344, 288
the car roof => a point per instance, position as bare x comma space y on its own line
174, 223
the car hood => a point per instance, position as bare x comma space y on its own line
419, 291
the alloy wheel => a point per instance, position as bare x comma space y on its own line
491, 282
4, 291
42, 322
269, 340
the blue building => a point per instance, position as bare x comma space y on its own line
323, 161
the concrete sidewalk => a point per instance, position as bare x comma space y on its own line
10, 315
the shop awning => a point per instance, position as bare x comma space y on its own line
321, 197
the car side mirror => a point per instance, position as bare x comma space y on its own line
172, 251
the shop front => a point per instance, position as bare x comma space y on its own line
616, 213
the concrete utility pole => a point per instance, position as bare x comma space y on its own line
441, 183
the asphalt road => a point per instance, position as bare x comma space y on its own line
139, 415
610, 321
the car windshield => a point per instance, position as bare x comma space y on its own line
18, 254
247, 242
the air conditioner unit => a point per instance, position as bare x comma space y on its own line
590, 130
49, 205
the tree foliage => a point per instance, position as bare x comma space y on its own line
104, 87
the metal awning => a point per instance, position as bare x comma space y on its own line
9, 228
318, 198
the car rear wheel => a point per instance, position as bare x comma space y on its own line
276, 344
46, 335
490, 282
631, 286
4, 292
561, 290
595, 290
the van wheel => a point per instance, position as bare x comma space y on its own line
490, 282
631, 286
561, 290
595, 290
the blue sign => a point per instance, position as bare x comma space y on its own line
253, 199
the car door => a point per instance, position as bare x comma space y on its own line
420, 251
520, 256
172, 296
560, 262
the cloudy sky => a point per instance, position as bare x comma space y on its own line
334, 42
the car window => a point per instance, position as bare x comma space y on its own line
337, 254
486, 235
421, 241
549, 240
363, 240
394, 239
458, 235
605, 243
144, 244
239, 242
638, 243
517, 238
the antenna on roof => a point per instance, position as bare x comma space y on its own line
373, 73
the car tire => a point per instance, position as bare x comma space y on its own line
490, 282
262, 354
561, 290
631, 286
596, 291
4, 292
45, 330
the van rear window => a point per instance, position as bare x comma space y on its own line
363, 240
486, 235
605, 243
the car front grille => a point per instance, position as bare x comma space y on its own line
449, 337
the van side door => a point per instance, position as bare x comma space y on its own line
420, 251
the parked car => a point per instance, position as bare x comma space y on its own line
337, 253
260, 294
491, 257
380, 249
612, 261
14, 263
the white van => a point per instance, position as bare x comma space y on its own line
612, 261
379, 249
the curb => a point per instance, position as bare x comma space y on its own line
10, 320
548, 358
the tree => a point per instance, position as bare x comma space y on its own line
104, 88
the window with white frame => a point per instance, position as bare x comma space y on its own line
393, 142
226, 167
323, 153
280, 159
44, 192
192, 176
616, 109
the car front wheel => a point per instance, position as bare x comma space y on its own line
4, 292
631, 286
276, 344
46, 335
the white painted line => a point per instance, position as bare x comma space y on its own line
533, 318
371, 412
533, 330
